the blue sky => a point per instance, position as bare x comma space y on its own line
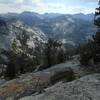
49, 6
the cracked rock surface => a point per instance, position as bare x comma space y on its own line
85, 88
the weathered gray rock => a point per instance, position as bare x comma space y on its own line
30, 83
86, 88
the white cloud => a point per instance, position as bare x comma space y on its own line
42, 7
19, 1
62, 8
11, 1
8, 8
90, 0
36, 1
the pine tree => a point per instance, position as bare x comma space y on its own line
11, 70
97, 36
54, 53
91, 50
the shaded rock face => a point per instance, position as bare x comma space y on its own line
4, 35
2, 22
86, 88
3, 27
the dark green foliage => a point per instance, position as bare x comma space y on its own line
53, 53
47, 51
20, 57
70, 52
97, 47
10, 70
38, 52
67, 75
91, 50
70, 76
97, 36
61, 56
87, 52
23, 59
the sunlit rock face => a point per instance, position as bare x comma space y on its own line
9, 30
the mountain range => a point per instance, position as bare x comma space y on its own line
69, 28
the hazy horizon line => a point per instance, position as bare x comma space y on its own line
46, 13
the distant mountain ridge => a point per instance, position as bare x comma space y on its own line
47, 15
